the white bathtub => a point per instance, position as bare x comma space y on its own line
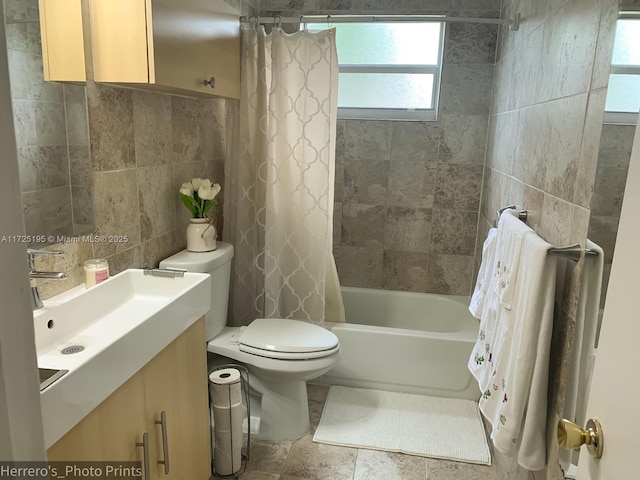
405, 342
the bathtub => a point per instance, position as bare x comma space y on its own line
405, 342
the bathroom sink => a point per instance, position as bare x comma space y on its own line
104, 335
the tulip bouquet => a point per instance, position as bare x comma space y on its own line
199, 196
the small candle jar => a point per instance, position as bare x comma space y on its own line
95, 271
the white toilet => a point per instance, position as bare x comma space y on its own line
281, 355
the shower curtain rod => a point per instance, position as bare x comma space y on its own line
513, 23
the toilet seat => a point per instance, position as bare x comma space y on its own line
284, 339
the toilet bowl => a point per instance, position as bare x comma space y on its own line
281, 355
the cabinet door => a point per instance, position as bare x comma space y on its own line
175, 382
120, 41
110, 432
194, 41
160, 396
61, 32
194, 452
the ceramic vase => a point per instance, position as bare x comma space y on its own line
201, 235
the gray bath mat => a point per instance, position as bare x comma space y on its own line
400, 422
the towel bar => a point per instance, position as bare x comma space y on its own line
571, 252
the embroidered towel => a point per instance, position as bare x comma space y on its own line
484, 274
502, 269
510, 359
512, 232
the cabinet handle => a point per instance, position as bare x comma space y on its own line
211, 82
165, 442
145, 453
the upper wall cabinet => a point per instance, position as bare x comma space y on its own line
190, 47
62, 40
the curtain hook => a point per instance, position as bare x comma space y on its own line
279, 22
329, 21
254, 22
303, 23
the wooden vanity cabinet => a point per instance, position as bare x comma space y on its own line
174, 382
166, 45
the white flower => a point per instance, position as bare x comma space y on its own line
199, 196
187, 189
208, 192
197, 183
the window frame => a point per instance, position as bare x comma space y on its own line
401, 114
612, 117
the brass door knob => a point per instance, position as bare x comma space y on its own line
572, 436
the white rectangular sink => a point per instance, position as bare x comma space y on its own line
122, 324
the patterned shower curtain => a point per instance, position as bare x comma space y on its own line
279, 187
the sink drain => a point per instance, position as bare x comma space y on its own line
72, 349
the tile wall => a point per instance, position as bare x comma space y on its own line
143, 145
611, 177
546, 117
408, 193
51, 133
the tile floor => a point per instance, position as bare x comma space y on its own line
306, 460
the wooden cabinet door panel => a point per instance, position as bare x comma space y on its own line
193, 404
110, 432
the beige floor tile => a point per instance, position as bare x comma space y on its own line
268, 456
317, 395
255, 475
315, 461
306, 460
317, 392
446, 470
377, 465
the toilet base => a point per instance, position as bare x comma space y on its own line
282, 406
284, 409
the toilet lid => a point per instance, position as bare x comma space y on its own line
287, 339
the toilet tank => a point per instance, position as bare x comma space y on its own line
218, 265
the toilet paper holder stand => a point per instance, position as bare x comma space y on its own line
246, 451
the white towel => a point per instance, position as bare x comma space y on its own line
584, 344
502, 271
484, 274
510, 360
512, 231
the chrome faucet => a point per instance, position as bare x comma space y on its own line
36, 301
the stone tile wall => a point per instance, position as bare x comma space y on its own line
548, 104
143, 145
611, 177
408, 193
51, 133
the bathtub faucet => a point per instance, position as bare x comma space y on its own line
36, 301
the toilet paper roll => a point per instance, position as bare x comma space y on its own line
226, 418
226, 464
224, 387
228, 441
228, 414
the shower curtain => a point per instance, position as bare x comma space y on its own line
279, 190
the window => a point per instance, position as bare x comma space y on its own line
388, 70
623, 95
